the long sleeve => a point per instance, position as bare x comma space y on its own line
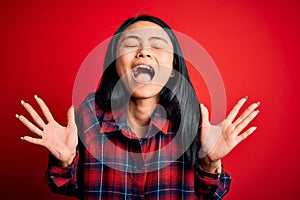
63, 180
68, 180
212, 188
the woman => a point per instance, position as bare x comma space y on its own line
141, 134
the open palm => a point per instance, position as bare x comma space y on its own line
59, 140
217, 141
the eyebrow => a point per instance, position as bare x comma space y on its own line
159, 38
138, 38
128, 37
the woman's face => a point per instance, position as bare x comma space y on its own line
144, 59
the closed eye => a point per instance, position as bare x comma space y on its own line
130, 46
130, 42
159, 45
156, 47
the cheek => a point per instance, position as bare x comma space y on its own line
166, 60
122, 64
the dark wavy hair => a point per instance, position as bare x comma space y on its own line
184, 111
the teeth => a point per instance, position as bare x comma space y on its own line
142, 66
143, 70
145, 66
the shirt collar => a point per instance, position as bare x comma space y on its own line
116, 121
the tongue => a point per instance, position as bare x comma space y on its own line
143, 77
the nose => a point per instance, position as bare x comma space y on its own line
143, 53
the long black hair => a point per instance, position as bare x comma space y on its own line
184, 111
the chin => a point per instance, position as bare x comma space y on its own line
143, 93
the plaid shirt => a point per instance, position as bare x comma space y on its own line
112, 163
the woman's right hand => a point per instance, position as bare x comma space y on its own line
59, 140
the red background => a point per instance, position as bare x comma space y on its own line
255, 45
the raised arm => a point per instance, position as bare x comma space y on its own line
217, 141
59, 140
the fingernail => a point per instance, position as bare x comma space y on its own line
254, 127
22, 138
258, 103
257, 111
17, 116
246, 97
22, 102
35, 96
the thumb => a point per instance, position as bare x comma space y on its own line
71, 116
204, 115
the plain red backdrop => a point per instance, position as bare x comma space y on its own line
255, 45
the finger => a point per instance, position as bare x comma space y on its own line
246, 134
35, 116
32, 140
236, 109
29, 125
204, 115
71, 116
246, 121
249, 110
44, 108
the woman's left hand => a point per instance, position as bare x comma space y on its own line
217, 141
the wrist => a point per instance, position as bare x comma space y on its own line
209, 166
69, 161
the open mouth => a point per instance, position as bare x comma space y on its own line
143, 73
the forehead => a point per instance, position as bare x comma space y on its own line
145, 29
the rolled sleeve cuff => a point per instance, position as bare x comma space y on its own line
213, 185
58, 174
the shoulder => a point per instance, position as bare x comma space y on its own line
90, 107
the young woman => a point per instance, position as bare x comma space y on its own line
142, 135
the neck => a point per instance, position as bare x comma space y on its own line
140, 111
